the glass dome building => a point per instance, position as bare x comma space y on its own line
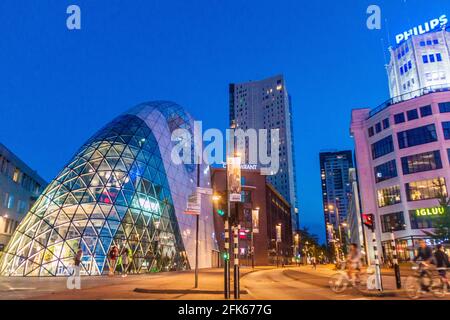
121, 188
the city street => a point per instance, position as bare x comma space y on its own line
296, 283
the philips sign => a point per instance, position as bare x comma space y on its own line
422, 29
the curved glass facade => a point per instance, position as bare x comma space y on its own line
115, 191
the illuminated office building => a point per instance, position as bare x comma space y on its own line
402, 147
266, 104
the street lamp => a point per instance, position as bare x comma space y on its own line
335, 209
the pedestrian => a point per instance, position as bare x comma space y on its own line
442, 263
125, 261
113, 255
314, 263
78, 256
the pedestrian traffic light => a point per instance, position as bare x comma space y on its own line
368, 220
220, 212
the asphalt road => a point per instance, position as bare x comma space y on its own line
293, 283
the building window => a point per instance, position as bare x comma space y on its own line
370, 131
431, 56
385, 171
386, 123
444, 107
425, 111
10, 202
446, 129
5, 199
412, 114
438, 57
425, 189
422, 162
382, 147
448, 154
22, 207
388, 196
392, 222
425, 59
399, 118
378, 127
417, 136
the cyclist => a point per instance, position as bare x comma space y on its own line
425, 254
354, 263
442, 262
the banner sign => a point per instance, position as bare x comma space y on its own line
193, 204
436, 211
255, 221
278, 229
234, 178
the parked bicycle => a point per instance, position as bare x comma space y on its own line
425, 280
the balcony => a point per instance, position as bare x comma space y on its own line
407, 96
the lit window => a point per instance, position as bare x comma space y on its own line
388, 196
426, 189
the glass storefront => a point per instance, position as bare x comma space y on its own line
113, 192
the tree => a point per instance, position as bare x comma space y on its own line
442, 222
441, 232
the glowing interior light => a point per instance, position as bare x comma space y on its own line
148, 205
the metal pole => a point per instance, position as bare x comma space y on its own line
196, 228
276, 249
236, 262
227, 252
378, 279
398, 279
253, 249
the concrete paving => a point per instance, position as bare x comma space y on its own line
260, 283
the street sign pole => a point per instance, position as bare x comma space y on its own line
236, 262
398, 280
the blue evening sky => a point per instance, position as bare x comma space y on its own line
57, 87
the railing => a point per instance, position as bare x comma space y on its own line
407, 96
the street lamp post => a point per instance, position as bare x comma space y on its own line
398, 280
335, 209
226, 255
197, 218
296, 246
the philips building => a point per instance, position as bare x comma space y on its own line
403, 146
121, 188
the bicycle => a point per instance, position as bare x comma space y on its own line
340, 281
424, 280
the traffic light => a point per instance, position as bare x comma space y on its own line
369, 221
220, 212
226, 256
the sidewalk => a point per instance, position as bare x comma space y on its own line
167, 285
